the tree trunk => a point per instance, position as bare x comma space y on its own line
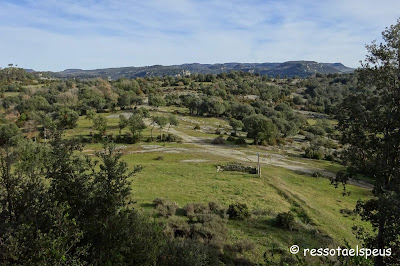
380, 242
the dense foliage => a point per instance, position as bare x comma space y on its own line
369, 119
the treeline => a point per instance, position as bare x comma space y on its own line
324, 93
262, 107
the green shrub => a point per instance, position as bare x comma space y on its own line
285, 220
194, 210
314, 152
317, 174
187, 252
310, 137
166, 210
218, 141
330, 157
242, 246
238, 211
240, 141
177, 228
231, 139
316, 130
172, 138
159, 201
217, 209
281, 141
164, 207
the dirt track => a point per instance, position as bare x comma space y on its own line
265, 158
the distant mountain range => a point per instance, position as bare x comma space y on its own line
290, 69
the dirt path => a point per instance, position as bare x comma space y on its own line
265, 158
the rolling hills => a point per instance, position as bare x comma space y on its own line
290, 69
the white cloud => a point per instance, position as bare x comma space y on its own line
54, 35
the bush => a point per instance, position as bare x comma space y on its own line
317, 174
316, 130
187, 252
217, 209
242, 246
281, 141
347, 212
127, 138
177, 228
240, 141
285, 220
314, 152
211, 230
172, 138
231, 139
310, 136
194, 210
206, 222
330, 157
166, 210
159, 201
218, 141
271, 142
238, 211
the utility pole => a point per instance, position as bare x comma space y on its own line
258, 165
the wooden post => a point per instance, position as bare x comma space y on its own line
258, 165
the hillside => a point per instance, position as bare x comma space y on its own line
195, 144
290, 69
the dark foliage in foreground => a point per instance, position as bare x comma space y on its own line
57, 209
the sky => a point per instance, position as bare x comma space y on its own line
59, 34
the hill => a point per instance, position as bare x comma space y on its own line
290, 69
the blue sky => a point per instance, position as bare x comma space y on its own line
55, 35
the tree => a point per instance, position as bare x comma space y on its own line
67, 118
90, 114
161, 121
235, 124
213, 106
60, 207
194, 104
136, 124
156, 101
369, 119
137, 100
9, 134
100, 124
173, 121
125, 99
260, 128
34, 229
241, 110
122, 123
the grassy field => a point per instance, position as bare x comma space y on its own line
186, 173
278, 190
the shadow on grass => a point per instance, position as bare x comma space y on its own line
147, 205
